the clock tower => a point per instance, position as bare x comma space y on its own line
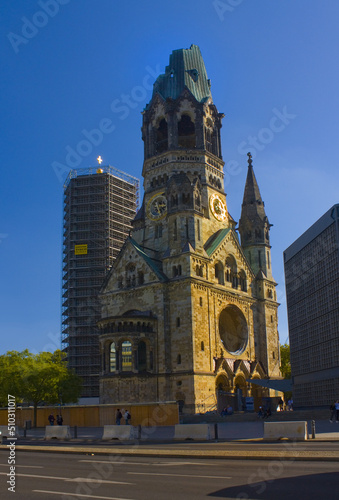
179, 306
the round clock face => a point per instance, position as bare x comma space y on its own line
156, 207
218, 207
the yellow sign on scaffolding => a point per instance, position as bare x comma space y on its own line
80, 249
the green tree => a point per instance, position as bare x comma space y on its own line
38, 378
285, 361
11, 374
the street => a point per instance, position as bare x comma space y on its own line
69, 476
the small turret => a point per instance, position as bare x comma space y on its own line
254, 226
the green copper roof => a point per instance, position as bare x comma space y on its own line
215, 240
154, 265
186, 69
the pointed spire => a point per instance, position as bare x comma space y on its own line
252, 202
254, 226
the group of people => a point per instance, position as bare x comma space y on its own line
119, 415
264, 412
334, 409
228, 410
282, 406
59, 419
122, 414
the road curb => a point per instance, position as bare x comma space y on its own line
285, 455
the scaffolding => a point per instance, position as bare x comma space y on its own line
99, 206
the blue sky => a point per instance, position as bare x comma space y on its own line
71, 66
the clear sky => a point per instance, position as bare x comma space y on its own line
71, 66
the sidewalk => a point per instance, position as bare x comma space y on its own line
236, 441
229, 431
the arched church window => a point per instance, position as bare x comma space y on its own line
142, 357
130, 275
186, 198
162, 137
219, 272
174, 200
208, 140
186, 133
140, 278
112, 357
126, 355
243, 281
231, 271
202, 346
197, 200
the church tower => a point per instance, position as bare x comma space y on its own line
254, 229
183, 165
180, 308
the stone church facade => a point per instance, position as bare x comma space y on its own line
189, 309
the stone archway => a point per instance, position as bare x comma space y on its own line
240, 389
258, 392
223, 392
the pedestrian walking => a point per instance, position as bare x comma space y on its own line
118, 416
336, 406
127, 417
59, 420
51, 419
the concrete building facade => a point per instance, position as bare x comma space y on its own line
189, 310
312, 290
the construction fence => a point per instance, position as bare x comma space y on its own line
147, 414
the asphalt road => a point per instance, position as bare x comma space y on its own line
52, 476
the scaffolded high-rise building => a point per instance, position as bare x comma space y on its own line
99, 205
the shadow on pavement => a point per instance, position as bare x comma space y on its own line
308, 487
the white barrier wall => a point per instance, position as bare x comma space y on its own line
58, 432
5, 433
122, 432
291, 430
202, 432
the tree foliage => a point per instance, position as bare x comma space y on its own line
285, 361
37, 378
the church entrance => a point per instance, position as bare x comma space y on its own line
223, 393
258, 393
